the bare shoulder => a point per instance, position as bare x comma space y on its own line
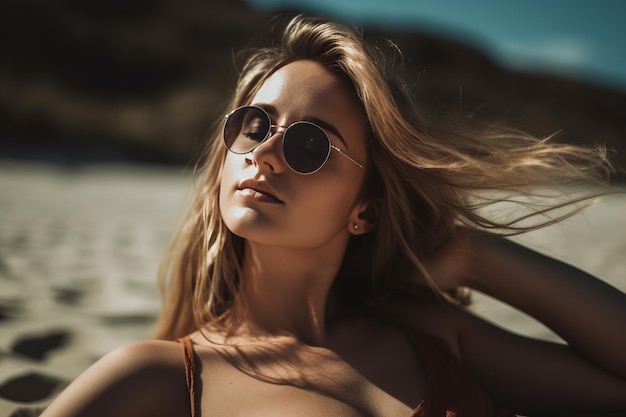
145, 378
443, 321
149, 354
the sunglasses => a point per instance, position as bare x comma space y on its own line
306, 146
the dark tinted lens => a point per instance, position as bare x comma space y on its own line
245, 128
306, 147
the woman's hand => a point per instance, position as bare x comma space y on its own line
451, 265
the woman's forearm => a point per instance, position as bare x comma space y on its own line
586, 312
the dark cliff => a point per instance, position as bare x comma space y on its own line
144, 79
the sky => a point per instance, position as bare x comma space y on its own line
580, 38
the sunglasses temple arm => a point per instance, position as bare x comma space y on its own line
347, 156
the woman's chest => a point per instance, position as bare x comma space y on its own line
356, 376
234, 395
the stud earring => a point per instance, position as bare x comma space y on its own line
356, 226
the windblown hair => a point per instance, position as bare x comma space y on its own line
428, 179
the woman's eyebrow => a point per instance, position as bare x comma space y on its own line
271, 110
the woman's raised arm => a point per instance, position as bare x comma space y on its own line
586, 375
585, 311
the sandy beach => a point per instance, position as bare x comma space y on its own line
80, 247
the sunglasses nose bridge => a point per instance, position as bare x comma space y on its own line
269, 151
274, 129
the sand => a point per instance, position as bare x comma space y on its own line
79, 251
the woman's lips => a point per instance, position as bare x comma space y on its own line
259, 196
258, 191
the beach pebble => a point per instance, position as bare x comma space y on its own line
30, 387
37, 347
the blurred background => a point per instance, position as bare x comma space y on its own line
143, 80
104, 106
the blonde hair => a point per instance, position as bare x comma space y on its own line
427, 179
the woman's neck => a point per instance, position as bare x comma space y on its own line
285, 292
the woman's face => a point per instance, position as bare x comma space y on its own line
264, 201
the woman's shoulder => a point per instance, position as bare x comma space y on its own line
143, 378
153, 360
440, 320
161, 353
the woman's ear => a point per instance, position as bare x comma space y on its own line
364, 217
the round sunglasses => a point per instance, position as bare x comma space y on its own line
306, 146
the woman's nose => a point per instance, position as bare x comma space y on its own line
269, 154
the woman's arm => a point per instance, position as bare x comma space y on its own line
143, 379
587, 313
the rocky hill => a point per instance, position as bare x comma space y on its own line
144, 79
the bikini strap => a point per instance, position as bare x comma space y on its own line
190, 371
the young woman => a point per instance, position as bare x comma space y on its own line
319, 269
